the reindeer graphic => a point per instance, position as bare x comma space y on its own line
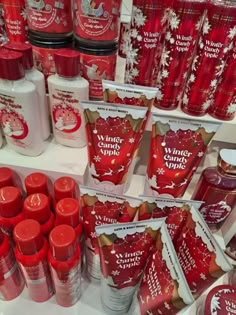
109, 173
38, 5
128, 281
172, 185
121, 169
87, 9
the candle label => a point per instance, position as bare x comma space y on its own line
97, 20
49, 16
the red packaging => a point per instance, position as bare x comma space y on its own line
11, 281
215, 42
100, 208
49, 16
97, 65
37, 207
221, 300
147, 22
31, 253
6, 177
97, 21
185, 21
15, 16
3, 35
68, 212
177, 147
124, 250
124, 36
200, 256
113, 136
163, 289
64, 261
10, 209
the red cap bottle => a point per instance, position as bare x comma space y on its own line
11, 65
6, 177
36, 183
67, 63
12, 283
26, 50
36, 207
10, 208
64, 187
63, 248
31, 252
67, 212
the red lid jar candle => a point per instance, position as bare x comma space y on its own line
97, 21
49, 17
97, 64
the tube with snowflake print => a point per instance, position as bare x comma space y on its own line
124, 250
214, 45
147, 21
163, 289
177, 147
100, 208
113, 136
185, 20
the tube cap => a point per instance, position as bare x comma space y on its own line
36, 183
26, 50
227, 161
62, 241
36, 207
11, 65
28, 237
10, 201
6, 177
67, 212
64, 187
67, 63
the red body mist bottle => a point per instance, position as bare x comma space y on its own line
11, 280
31, 253
6, 177
64, 187
67, 212
10, 209
36, 207
64, 262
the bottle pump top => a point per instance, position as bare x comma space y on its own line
36, 206
6, 177
36, 183
11, 65
28, 237
67, 212
67, 63
10, 201
227, 161
26, 50
62, 241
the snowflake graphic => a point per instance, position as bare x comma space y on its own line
232, 32
160, 171
115, 273
24, 14
185, 75
169, 38
201, 44
174, 20
167, 306
124, 47
200, 154
192, 78
185, 99
213, 83
228, 48
172, 41
154, 156
195, 60
206, 105
159, 95
129, 76
215, 304
132, 55
231, 109
199, 24
93, 235
165, 73
139, 19
164, 57
139, 38
97, 158
135, 72
202, 276
134, 33
206, 26
131, 140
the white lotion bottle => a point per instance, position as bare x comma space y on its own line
66, 91
37, 78
19, 108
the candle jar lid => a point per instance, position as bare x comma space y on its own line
91, 48
227, 161
50, 42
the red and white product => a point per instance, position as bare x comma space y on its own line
221, 300
3, 35
177, 148
215, 43
113, 135
68, 212
124, 37
19, 107
97, 21
100, 208
185, 21
11, 281
14, 15
175, 212
37, 207
10, 209
163, 288
31, 253
124, 250
66, 90
147, 23
65, 187
199, 255
37, 78
49, 16
64, 259
36, 183
6, 177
